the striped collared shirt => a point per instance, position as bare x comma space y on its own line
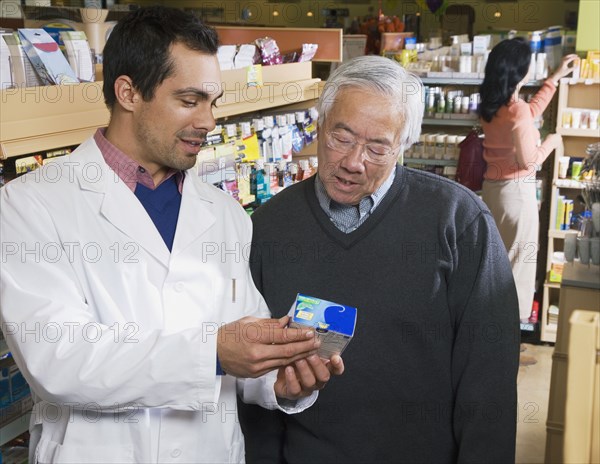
130, 172
348, 218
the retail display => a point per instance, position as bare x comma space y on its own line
569, 182
46, 57
266, 137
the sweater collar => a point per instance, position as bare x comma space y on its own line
347, 240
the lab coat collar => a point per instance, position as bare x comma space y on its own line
125, 212
195, 215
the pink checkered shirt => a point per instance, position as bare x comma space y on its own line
127, 169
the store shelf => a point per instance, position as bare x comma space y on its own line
50, 117
450, 122
450, 81
550, 333
552, 284
268, 97
465, 81
288, 39
571, 81
14, 419
555, 233
578, 132
14, 428
430, 162
571, 94
569, 184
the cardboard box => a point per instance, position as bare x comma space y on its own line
481, 44
334, 323
236, 79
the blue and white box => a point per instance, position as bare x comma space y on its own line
334, 323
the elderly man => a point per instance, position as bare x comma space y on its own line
434, 359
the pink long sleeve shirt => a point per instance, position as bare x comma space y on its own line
512, 144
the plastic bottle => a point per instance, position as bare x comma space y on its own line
313, 162
303, 170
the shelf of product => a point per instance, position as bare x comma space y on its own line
256, 156
577, 123
288, 39
15, 400
450, 110
50, 117
451, 121
466, 81
430, 162
15, 426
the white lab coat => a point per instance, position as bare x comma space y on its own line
115, 335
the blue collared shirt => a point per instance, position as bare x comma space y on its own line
348, 218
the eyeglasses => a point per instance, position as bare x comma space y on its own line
376, 153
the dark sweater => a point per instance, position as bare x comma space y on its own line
431, 371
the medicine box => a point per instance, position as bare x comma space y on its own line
334, 323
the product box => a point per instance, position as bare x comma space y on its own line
79, 55
22, 71
46, 57
481, 44
334, 323
556, 267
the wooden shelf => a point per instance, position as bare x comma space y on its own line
581, 94
571, 81
578, 132
288, 39
50, 117
264, 98
569, 184
555, 233
552, 284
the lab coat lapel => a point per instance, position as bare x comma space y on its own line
121, 207
195, 214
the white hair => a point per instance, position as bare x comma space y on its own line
388, 79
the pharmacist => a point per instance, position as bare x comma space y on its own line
121, 300
432, 365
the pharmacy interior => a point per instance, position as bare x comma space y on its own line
274, 59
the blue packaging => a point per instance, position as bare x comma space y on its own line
334, 323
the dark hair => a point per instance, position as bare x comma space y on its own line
507, 65
139, 47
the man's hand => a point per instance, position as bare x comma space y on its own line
306, 376
251, 347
